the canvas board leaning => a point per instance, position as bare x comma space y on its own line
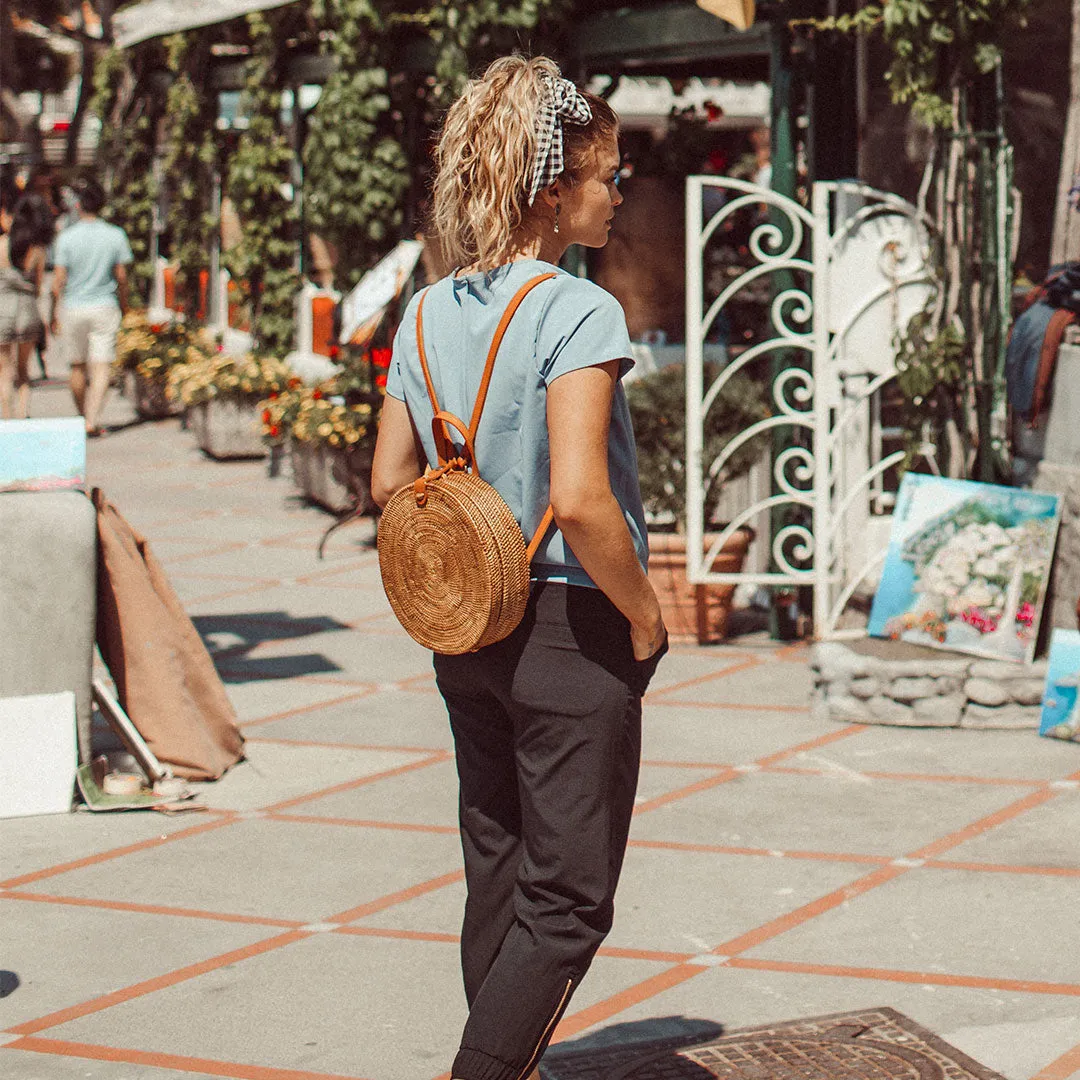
967, 567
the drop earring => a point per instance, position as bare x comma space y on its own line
558, 211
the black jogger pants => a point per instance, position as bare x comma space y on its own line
547, 731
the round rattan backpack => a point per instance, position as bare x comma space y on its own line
454, 562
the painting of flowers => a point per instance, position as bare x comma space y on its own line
967, 567
1061, 699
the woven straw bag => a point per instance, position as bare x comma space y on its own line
454, 562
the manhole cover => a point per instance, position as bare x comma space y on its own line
873, 1044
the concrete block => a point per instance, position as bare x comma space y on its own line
48, 598
225, 429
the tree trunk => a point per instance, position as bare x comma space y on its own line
1066, 238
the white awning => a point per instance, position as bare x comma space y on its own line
154, 18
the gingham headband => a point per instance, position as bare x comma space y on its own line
561, 102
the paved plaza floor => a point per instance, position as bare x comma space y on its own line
305, 926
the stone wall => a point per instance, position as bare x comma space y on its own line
883, 682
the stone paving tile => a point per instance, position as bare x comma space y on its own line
744, 687
23, 1065
363, 1016
724, 735
971, 1019
1044, 836
941, 751
274, 773
437, 912
269, 869
41, 939
261, 698
949, 921
835, 813
675, 883
31, 844
384, 718
683, 664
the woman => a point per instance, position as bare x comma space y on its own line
28, 233
546, 723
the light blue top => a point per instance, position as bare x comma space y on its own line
563, 325
90, 251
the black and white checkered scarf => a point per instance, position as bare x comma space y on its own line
561, 102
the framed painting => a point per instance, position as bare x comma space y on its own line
967, 567
1061, 700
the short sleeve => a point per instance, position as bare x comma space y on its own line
61, 256
123, 249
395, 384
582, 326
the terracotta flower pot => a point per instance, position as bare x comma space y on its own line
694, 613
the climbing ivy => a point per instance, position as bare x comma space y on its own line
259, 183
188, 167
936, 45
126, 153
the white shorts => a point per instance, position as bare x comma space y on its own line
89, 333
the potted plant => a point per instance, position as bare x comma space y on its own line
221, 395
146, 351
658, 408
330, 430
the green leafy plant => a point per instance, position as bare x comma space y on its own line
658, 408
259, 182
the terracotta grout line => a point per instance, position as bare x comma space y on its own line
1003, 868
811, 744
359, 823
705, 784
287, 714
1061, 1068
921, 978
159, 982
152, 909
771, 853
176, 1062
745, 663
390, 749
934, 778
399, 897
116, 853
402, 935
351, 785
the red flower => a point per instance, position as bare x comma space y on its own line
294, 382
381, 357
380, 381
274, 430
335, 352
316, 394
273, 395
156, 328
266, 416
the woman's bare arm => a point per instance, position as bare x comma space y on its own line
398, 453
586, 510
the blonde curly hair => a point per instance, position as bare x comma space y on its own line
484, 159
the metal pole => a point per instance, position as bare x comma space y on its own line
695, 493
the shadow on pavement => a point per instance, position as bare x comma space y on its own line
615, 1051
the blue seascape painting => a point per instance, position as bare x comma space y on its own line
967, 567
1060, 714
42, 455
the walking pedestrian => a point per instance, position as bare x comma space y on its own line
547, 722
28, 231
90, 295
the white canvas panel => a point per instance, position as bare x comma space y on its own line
38, 755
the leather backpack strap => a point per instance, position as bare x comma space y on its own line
444, 448
496, 342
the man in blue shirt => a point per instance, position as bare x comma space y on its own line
90, 295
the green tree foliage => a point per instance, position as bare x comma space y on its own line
258, 182
126, 156
188, 167
356, 170
936, 45
27, 60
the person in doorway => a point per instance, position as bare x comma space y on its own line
28, 231
90, 290
547, 722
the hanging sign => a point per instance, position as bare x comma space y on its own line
154, 18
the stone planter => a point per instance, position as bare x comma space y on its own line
227, 429
336, 479
151, 402
694, 613
887, 682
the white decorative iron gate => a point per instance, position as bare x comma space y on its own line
838, 283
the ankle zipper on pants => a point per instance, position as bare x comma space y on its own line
534, 1057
